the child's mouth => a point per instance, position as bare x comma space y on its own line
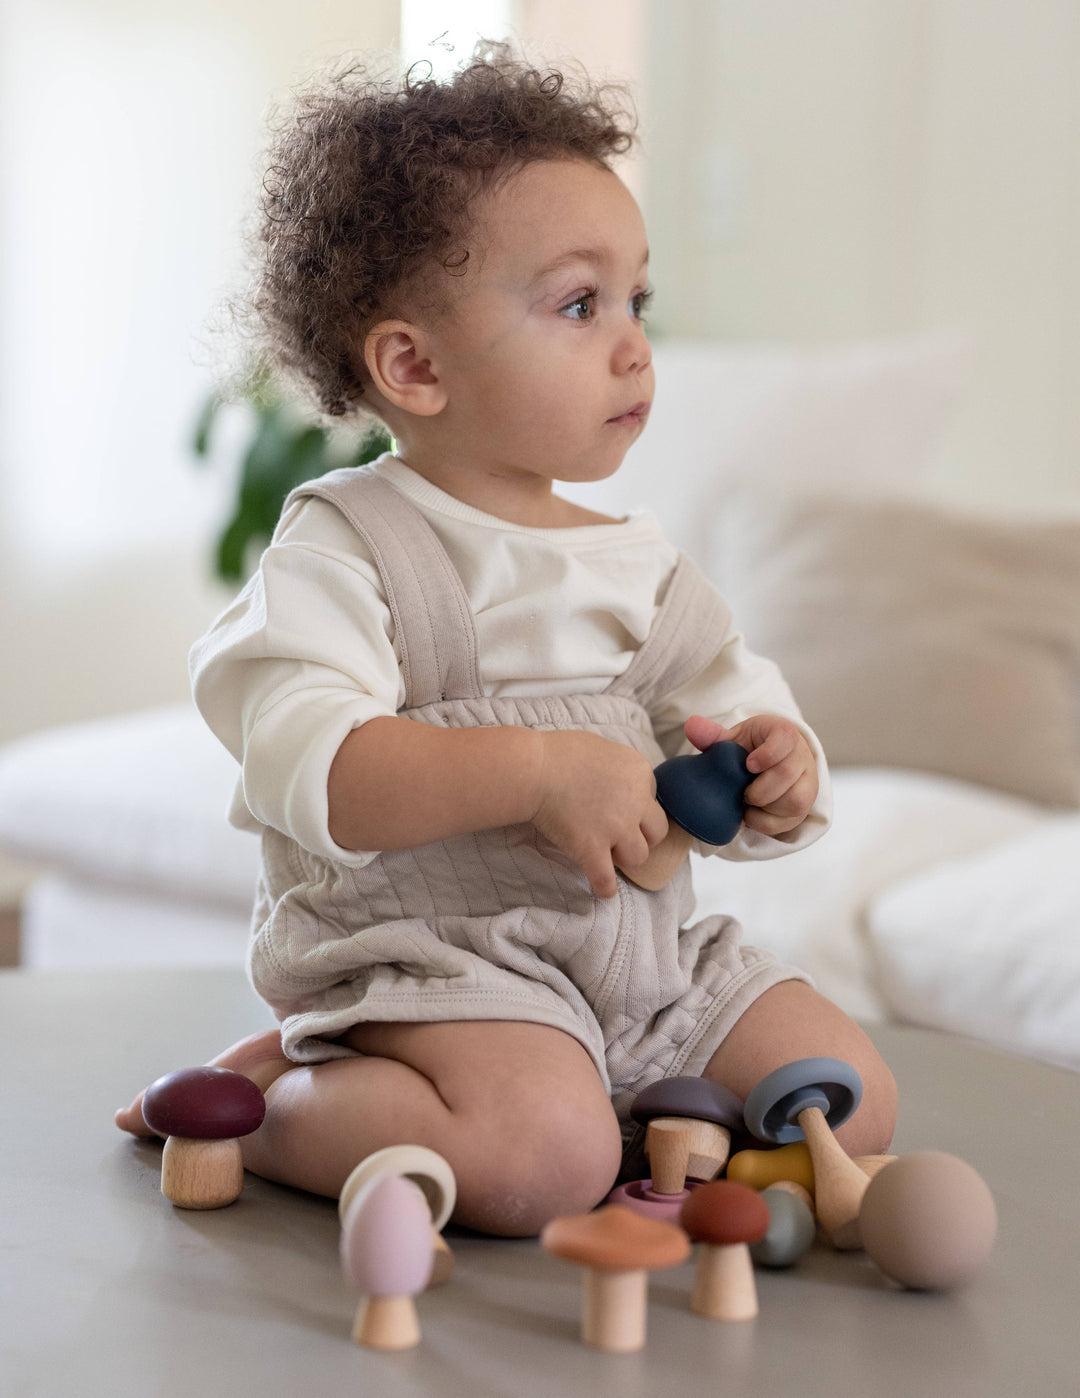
632, 417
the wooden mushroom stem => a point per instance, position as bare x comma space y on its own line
201, 1174
839, 1184
386, 1322
724, 1286
613, 1309
681, 1146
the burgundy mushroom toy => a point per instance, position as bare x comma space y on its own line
203, 1112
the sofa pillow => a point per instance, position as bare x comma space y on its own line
988, 945
917, 636
863, 417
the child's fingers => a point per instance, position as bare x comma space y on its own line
791, 807
654, 824
779, 742
703, 732
775, 783
631, 850
600, 871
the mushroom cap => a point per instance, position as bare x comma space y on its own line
703, 791
386, 1239
203, 1104
790, 1231
773, 1106
615, 1239
691, 1097
724, 1212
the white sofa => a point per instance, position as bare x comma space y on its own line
948, 891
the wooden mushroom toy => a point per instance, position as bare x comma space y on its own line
435, 1179
809, 1099
702, 793
928, 1220
386, 1254
688, 1124
725, 1218
617, 1248
761, 1168
203, 1112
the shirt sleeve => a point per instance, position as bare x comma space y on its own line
735, 685
305, 654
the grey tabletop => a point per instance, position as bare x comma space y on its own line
108, 1290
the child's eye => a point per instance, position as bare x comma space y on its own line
581, 307
639, 304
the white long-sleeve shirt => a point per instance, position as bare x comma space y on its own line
307, 651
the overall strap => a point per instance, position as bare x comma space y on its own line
686, 634
432, 617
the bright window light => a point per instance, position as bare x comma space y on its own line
445, 34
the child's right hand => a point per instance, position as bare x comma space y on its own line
598, 804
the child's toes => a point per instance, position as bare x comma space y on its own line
131, 1119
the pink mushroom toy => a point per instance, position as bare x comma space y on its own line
203, 1112
386, 1254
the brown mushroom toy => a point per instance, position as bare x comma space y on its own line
673, 1107
725, 1218
617, 1248
203, 1112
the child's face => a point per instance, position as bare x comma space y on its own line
543, 354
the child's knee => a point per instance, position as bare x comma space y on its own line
556, 1162
869, 1131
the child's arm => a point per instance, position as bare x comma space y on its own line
396, 782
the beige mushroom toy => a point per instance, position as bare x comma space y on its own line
617, 1248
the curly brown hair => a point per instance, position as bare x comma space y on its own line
371, 181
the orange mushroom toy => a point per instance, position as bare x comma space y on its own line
617, 1248
725, 1218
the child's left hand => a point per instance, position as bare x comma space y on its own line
786, 782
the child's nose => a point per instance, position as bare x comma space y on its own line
632, 352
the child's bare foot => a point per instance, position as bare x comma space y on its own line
258, 1057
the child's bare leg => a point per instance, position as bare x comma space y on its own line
517, 1109
259, 1057
792, 1021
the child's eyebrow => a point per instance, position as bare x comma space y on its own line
596, 256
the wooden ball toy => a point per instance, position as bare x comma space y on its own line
725, 1218
790, 1232
203, 1112
688, 1124
702, 794
435, 1179
761, 1168
928, 1220
386, 1254
807, 1100
617, 1248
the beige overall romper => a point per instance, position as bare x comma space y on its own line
500, 924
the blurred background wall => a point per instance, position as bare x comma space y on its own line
812, 172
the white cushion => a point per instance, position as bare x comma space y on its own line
990, 945
139, 801
864, 417
811, 908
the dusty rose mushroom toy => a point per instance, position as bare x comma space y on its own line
617, 1248
434, 1177
386, 1254
203, 1112
725, 1218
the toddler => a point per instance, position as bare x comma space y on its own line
448, 687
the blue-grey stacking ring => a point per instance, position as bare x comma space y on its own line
773, 1106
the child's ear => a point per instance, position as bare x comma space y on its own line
397, 356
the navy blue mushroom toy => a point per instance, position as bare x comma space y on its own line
703, 796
